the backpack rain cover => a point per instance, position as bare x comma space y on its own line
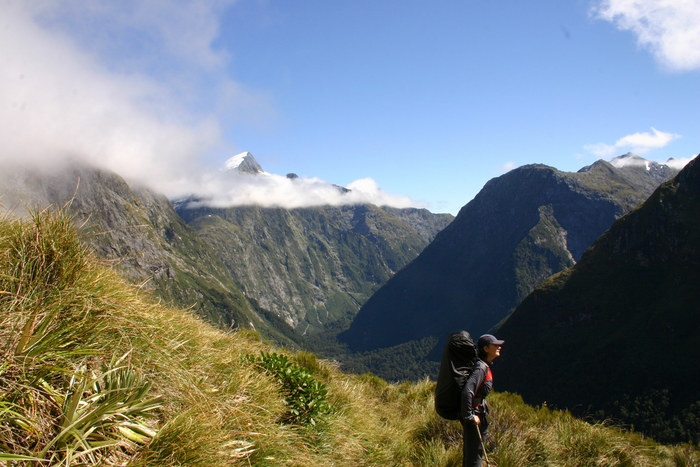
458, 360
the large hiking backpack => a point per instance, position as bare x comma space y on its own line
458, 361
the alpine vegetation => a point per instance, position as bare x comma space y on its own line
94, 371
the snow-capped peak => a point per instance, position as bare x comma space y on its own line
235, 161
243, 162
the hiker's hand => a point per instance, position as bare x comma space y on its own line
476, 420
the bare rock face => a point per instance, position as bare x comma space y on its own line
245, 163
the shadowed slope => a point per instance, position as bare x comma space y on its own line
618, 332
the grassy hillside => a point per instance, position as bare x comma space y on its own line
94, 371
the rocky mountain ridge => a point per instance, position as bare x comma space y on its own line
267, 268
314, 266
523, 226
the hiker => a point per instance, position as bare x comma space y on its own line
473, 408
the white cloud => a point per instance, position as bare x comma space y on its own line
638, 143
137, 87
601, 149
366, 190
58, 102
232, 188
679, 163
658, 139
669, 28
139, 31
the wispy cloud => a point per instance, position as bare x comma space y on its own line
669, 28
638, 143
680, 162
138, 88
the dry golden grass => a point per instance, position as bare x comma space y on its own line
66, 320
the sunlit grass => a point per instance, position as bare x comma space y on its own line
95, 371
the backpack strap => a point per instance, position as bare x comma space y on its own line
487, 377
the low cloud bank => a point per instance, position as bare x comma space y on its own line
231, 188
679, 163
632, 160
60, 104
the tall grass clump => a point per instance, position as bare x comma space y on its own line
525, 435
62, 399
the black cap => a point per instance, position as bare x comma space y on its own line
487, 339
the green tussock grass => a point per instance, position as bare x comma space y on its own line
95, 371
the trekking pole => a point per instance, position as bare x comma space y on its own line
483, 448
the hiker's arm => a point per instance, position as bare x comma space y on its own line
469, 392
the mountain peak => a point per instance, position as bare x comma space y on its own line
244, 162
643, 169
632, 160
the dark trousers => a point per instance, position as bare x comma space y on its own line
472, 448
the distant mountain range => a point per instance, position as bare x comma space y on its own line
282, 272
521, 228
612, 335
616, 335
312, 266
147, 241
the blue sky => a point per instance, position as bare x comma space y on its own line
407, 102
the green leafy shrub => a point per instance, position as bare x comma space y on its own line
306, 397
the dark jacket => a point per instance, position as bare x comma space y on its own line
474, 392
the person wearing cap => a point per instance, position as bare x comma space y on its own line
473, 407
